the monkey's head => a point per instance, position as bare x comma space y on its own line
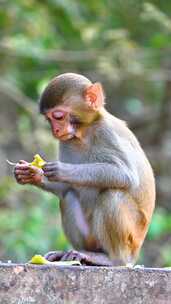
71, 102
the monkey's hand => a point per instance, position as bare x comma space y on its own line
28, 174
52, 170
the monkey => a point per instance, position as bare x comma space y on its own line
103, 178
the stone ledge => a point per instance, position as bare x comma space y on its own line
32, 284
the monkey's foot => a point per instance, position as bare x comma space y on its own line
53, 256
85, 258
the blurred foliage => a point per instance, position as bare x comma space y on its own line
30, 227
126, 43
160, 225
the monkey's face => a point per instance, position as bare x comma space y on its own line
64, 124
72, 117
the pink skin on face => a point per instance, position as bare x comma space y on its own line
60, 125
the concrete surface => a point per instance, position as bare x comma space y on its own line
29, 284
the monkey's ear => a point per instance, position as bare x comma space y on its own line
94, 96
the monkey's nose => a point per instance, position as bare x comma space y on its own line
56, 131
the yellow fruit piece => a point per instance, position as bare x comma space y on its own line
40, 260
38, 161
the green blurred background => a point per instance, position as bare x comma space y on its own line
124, 44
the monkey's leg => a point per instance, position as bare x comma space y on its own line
78, 232
120, 225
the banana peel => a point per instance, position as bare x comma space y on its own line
38, 161
40, 260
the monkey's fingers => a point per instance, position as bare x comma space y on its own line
22, 172
53, 256
74, 255
87, 258
49, 164
51, 170
22, 166
22, 176
35, 170
23, 162
23, 181
51, 167
50, 173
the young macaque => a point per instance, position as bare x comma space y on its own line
103, 178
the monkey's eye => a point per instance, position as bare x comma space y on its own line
58, 115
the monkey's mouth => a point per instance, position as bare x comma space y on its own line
66, 137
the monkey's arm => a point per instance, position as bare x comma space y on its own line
56, 188
102, 175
